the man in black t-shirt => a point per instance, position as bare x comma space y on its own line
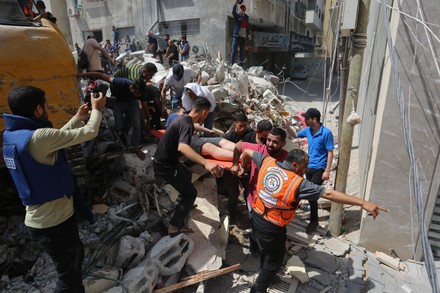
176, 141
241, 130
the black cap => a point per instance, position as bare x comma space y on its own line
312, 113
150, 67
241, 117
178, 71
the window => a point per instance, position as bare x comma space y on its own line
188, 27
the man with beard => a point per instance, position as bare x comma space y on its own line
176, 141
274, 147
280, 187
34, 153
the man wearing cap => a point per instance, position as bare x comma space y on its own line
240, 32
320, 141
176, 79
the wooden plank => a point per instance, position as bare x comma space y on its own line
198, 278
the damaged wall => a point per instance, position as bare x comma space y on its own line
384, 163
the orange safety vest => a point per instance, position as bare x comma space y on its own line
276, 193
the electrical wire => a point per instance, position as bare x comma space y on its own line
414, 170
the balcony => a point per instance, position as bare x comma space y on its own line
313, 21
266, 13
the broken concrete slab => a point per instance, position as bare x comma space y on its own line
205, 221
322, 259
320, 276
296, 268
337, 246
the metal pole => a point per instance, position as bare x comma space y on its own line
358, 43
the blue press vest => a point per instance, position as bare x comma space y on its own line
36, 183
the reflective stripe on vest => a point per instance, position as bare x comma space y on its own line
276, 193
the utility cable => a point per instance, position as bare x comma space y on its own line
414, 170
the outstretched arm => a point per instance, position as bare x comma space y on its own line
96, 75
340, 197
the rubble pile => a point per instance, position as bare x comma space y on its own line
125, 248
253, 91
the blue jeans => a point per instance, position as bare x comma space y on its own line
64, 247
130, 114
175, 101
236, 42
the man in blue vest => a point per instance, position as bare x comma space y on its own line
34, 154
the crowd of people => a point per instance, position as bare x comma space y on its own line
271, 180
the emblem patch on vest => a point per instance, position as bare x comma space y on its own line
273, 182
10, 163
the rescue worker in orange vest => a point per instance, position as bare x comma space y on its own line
280, 187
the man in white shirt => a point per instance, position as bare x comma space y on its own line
91, 48
176, 79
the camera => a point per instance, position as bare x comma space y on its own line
94, 89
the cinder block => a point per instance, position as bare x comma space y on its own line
142, 278
170, 254
130, 252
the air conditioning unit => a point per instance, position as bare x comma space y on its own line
72, 11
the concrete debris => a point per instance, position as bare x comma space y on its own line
170, 253
102, 280
130, 252
142, 278
337, 246
295, 267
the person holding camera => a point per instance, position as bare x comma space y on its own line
128, 93
240, 31
34, 153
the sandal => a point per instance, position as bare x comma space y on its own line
181, 230
141, 155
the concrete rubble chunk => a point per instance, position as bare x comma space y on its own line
170, 253
260, 85
220, 93
118, 289
131, 251
337, 246
319, 276
320, 258
101, 280
255, 70
296, 268
123, 191
141, 279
